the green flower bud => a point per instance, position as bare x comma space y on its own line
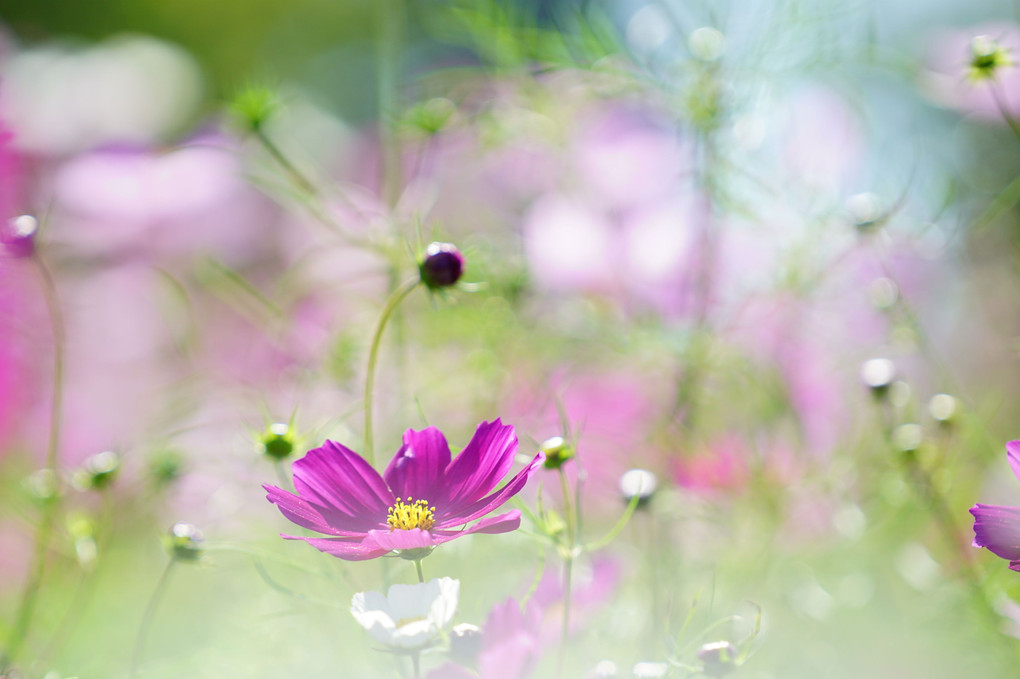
254, 106
987, 58
557, 451
184, 542
278, 441
43, 485
165, 467
98, 471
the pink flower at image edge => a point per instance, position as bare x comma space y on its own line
429, 495
996, 527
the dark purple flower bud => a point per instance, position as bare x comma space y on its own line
442, 266
719, 658
184, 542
17, 236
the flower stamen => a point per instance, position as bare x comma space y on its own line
411, 514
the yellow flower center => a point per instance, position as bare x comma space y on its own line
411, 514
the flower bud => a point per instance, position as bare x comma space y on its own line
442, 266
431, 116
604, 669
17, 236
908, 437
878, 374
165, 467
942, 408
277, 441
98, 471
557, 451
639, 483
254, 106
987, 58
719, 658
43, 485
184, 542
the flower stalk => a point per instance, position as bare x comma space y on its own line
391, 305
37, 571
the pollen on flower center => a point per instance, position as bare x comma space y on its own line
411, 514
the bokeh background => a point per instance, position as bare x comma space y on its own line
689, 228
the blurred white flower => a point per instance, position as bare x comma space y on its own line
409, 616
130, 90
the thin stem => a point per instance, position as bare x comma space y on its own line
150, 610
26, 608
1004, 111
568, 508
281, 474
298, 177
568, 567
568, 571
416, 665
373, 355
417, 567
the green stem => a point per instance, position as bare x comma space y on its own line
373, 356
1004, 111
26, 608
150, 611
417, 567
416, 665
568, 508
568, 571
568, 567
298, 177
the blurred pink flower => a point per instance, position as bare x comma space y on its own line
185, 203
948, 59
722, 466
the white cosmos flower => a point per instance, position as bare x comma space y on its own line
409, 616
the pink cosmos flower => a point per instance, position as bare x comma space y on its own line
996, 527
423, 499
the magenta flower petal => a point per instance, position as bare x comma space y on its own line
418, 466
479, 508
349, 550
307, 516
503, 523
1013, 454
399, 539
997, 528
480, 466
335, 476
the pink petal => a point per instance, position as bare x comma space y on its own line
417, 469
399, 539
479, 508
308, 516
335, 477
479, 467
343, 548
503, 523
1013, 453
997, 528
